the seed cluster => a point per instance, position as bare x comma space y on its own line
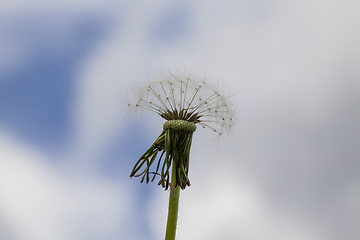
179, 97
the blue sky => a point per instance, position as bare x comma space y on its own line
37, 93
68, 143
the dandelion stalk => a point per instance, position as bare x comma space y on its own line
183, 103
173, 209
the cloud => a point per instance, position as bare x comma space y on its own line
41, 200
228, 203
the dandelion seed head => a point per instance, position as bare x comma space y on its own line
180, 97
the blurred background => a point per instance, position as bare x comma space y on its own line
67, 142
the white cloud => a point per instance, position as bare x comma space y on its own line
225, 203
40, 200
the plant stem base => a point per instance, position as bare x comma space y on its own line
173, 208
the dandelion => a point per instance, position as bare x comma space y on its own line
184, 102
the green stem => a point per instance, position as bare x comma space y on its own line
173, 207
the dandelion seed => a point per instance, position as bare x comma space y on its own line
184, 103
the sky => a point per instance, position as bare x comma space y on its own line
290, 169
